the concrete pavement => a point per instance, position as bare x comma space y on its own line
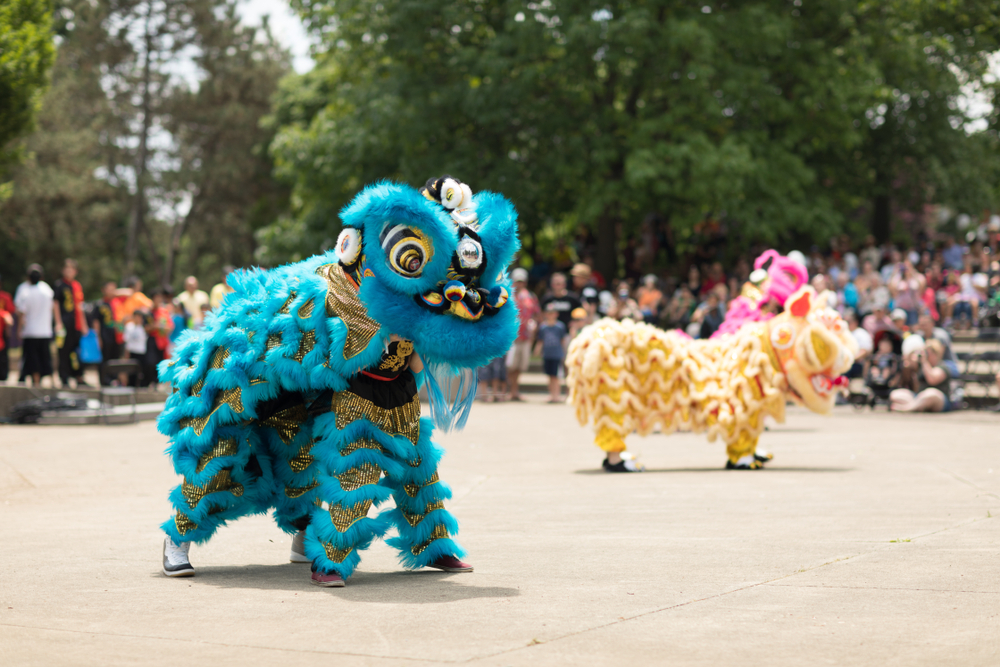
871, 539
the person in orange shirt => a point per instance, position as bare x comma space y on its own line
135, 300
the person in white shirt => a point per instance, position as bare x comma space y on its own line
136, 337
192, 299
36, 311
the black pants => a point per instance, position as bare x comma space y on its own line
69, 360
110, 351
4, 364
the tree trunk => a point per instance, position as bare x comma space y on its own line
175, 243
607, 247
882, 218
136, 220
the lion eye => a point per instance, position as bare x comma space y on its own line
406, 249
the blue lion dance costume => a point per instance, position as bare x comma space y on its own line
297, 395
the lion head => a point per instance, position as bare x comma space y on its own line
813, 347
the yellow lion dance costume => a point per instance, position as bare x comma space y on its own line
628, 376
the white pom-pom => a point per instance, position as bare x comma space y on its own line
452, 195
348, 246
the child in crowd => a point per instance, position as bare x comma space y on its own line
551, 345
884, 369
135, 336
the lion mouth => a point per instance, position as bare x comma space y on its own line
824, 385
460, 296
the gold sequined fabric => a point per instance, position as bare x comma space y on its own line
335, 554
362, 443
413, 489
345, 517
403, 420
414, 519
223, 481
184, 524
288, 302
219, 358
440, 532
306, 310
294, 492
303, 459
287, 422
273, 341
198, 386
353, 479
342, 301
231, 397
306, 344
224, 447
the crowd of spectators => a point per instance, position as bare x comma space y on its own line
124, 323
901, 304
922, 293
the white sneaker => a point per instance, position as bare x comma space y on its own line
175, 559
298, 554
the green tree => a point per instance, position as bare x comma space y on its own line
225, 172
208, 177
597, 113
64, 204
26, 53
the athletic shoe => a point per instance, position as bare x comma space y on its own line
298, 554
450, 564
175, 559
332, 580
745, 463
762, 456
625, 465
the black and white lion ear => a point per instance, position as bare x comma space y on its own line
348, 246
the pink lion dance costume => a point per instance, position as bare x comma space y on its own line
775, 278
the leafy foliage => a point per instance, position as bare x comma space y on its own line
26, 53
207, 177
764, 113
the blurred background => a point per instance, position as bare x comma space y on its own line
168, 138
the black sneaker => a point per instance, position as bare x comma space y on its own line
175, 559
625, 465
762, 457
753, 465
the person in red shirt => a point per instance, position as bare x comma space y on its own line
69, 298
528, 311
159, 328
7, 330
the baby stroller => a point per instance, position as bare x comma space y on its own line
884, 369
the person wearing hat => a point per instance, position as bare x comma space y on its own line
878, 320
528, 311
899, 318
581, 275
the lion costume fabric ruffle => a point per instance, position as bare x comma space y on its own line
627, 377
297, 395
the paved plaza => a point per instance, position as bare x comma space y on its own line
872, 539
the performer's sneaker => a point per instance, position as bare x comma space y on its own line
332, 580
450, 564
298, 554
762, 456
625, 465
175, 559
748, 462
